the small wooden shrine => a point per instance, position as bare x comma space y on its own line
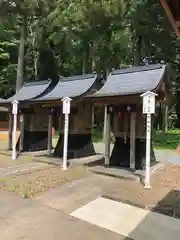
172, 9
80, 122
40, 108
121, 95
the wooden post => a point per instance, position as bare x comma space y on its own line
132, 140
50, 133
93, 112
105, 123
148, 152
21, 144
10, 132
107, 136
166, 118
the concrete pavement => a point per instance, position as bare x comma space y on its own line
26, 219
77, 211
71, 196
127, 220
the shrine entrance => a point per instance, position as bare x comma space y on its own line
79, 139
128, 130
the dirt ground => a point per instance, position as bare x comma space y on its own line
29, 184
164, 197
6, 160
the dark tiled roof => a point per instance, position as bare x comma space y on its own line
29, 91
70, 87
135, 80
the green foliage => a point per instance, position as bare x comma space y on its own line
168, 140
79, 36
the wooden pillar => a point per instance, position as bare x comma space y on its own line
49, 147
166, 117
21, 144
93, 112
105, 122
10, 132
107, 135
132, 140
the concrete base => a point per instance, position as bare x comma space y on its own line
115, 172
123, 173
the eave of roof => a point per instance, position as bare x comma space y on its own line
131, 81
29, 90
73, 87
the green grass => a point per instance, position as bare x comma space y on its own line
168, 140
97, 133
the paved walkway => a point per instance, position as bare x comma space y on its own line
77, 211
129, 221
71, 196
29, 220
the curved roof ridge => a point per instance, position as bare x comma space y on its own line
29, 90
78, 77
130, 82
137, 69
73, 87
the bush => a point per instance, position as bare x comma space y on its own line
168, 140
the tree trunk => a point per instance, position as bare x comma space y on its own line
35, 52
20, 66
138, 51
93, 64
85, 59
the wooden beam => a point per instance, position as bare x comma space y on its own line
132, 140
170, 16
107, 137
117, 100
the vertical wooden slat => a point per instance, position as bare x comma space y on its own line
49, 147
132, 139
107, 136
10, 132
105, 122
21, 132
166, 118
